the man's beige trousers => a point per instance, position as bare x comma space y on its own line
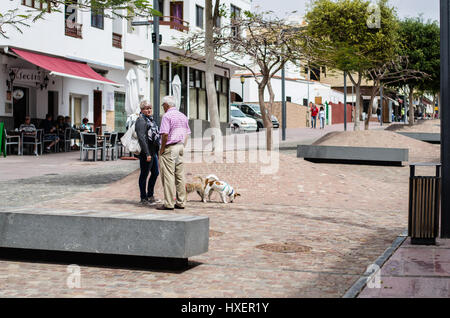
172, 175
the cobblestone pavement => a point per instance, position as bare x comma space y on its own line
341, 216
60, 182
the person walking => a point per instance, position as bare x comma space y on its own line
322, 117
379, 114
148, 136
314, 112
174, 133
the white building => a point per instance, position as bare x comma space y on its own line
38, 59
298, 89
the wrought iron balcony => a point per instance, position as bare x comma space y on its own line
73, 29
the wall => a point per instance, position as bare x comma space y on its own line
338, 113
296, 90
296, 114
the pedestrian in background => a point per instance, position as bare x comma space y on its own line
322, 117
174, 133
314, 112
148, 136
379, 114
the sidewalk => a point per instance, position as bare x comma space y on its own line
415, 271
294, 137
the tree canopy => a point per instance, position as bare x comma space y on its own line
420, 42
353, 35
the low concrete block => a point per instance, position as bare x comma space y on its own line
361, 155
434, 138
138, 234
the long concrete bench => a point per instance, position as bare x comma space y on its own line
353, 155
116, 233
434, 138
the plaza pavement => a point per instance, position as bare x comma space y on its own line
307, 230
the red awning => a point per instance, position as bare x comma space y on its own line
62, 67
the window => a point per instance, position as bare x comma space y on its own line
161, 7
218, 81
235, 12
70, 10
97, 18
235, 15
217, 23
37, 4
199, 16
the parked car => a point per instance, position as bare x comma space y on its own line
240, 122
254, 111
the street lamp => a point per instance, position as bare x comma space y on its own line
345, 100
242, 83
156, 39
445, 117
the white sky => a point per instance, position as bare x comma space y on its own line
405, 8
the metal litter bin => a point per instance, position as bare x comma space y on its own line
424, 205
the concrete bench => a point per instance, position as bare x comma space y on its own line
353, 155
115, 233
434, 138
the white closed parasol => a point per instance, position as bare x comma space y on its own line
176, 91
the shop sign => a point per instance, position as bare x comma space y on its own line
28, 76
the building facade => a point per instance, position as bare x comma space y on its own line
119, 55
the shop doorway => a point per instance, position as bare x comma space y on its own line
76, 113
97, 109
20, 105
53, 104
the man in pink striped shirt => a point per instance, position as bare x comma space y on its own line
174, 132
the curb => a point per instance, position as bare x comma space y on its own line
357, 287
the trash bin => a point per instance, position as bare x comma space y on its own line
424, 205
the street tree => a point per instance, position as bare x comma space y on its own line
352, 36
420, 42
391, 73
211, 16
258, 43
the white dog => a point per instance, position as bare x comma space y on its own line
224, 189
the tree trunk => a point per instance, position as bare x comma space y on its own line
266, 119
358, 99
370, 110
411, 106
369, 114
269, 113
213, 109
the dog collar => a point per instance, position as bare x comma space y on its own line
232, 191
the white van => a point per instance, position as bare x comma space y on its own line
239, 122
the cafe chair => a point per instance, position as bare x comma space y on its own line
35, 140
67, 139
89, 143
13, 140
111, 144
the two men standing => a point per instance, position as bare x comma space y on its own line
173, 137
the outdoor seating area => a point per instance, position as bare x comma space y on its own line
27, 140
107, 144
